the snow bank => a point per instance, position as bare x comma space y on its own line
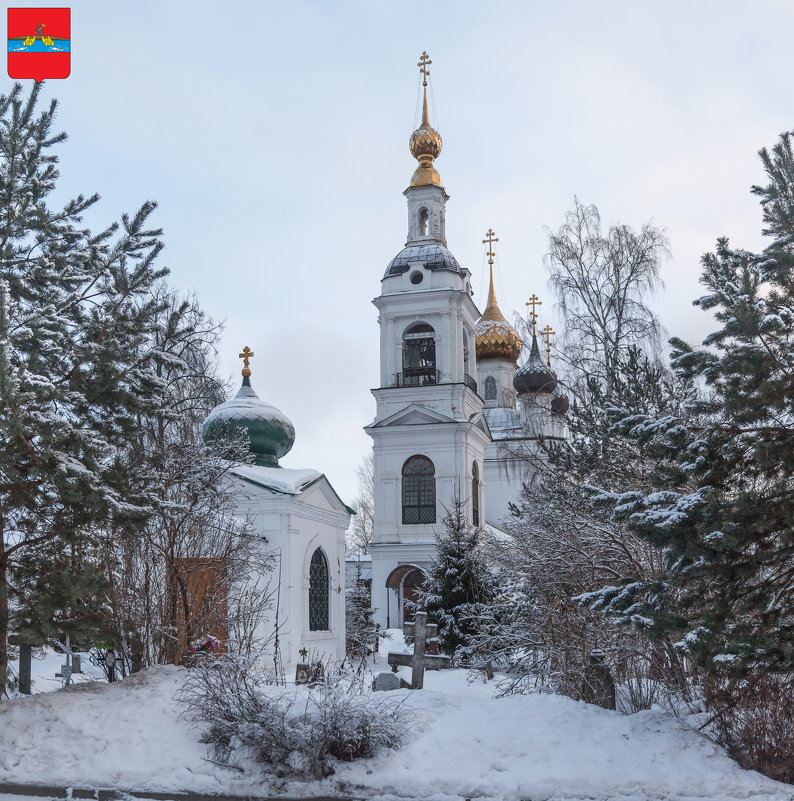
464, 744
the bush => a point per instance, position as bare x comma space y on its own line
752, 717
298, 732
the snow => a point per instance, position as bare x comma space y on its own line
464, 743
280, 479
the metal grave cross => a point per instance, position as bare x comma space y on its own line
425, 655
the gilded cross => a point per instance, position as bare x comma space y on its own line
534, 301
548, 333
246, 355
424, 63
491, 238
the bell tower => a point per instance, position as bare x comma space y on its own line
429, 433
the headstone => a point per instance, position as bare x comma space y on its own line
420, 660
24, 667
76, 664
386, 681
302, 673
598, 686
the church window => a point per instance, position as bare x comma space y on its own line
423, 217
475, 495
419, 491
318, 592
416, 277
419, 356
490, 388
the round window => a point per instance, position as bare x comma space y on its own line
417, 277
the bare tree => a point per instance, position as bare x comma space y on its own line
362, 526
602, 282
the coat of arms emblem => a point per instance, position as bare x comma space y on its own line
39, 43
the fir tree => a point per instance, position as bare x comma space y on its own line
360, 631
459, 587
76, 309
723, 509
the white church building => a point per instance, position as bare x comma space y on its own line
454, 413
298, 516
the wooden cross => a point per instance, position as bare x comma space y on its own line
246, 356
533, 301
425, 655
491, 238
547, 332
424, 63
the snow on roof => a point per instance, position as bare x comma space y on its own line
278, 479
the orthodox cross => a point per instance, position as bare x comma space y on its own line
491, 238
425, 653
533, 301
424, 63
548, 333
246, 355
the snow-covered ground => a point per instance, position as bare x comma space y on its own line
464, 744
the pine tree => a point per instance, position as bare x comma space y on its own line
723, 509
360, 631
459, 587
76, 309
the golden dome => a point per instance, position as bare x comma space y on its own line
495, 338
425, 142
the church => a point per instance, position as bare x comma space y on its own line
455, 421
455, 415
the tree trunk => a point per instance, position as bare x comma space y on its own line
3, 618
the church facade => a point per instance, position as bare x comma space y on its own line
297, 516
455, 416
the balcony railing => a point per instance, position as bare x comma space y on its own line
470, 382
417, 378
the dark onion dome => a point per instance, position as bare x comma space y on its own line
559, 403
432, 255
495, 338
270, 433
535, 377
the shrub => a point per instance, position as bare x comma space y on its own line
298, 732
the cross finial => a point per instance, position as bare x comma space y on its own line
490, 239
246, 356
534, 301
424, 63
548, 333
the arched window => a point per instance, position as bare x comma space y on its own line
423, 215
475, 495
419, 356
318, 592
490, 388
419, 491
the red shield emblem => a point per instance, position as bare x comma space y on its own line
39, 43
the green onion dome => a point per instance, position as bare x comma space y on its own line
270, 433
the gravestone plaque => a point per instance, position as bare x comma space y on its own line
386, 681
598, 686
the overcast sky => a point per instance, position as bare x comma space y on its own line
274, 136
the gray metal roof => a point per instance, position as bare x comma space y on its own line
432, 254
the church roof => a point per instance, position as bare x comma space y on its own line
432, 255
277, 479
504, 423
495, 337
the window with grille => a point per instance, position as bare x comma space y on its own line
318, 592
419, 350
475, 495
419, 491
490, 388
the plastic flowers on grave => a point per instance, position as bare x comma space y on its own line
205, 645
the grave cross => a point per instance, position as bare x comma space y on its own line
425, 653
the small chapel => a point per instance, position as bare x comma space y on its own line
456, 417
298, 516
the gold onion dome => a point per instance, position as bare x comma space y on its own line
425, 142
495, 338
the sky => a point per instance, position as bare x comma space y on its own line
274, 137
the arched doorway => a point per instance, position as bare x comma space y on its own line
406, 581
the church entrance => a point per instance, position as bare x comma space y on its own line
406, 581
